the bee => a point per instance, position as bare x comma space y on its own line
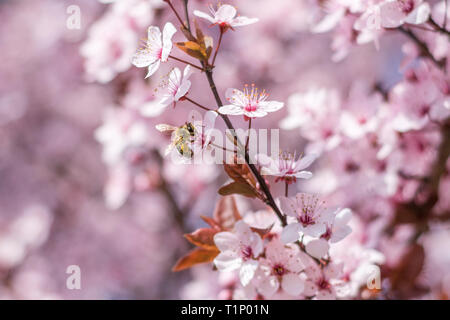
181, 138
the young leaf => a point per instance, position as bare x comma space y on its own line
193, 49
203, 238
196, 256
226, 213
242, 188
211, 222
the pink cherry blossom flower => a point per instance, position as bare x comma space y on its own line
156, 49
238, 250
414, 100
324, 284
311, 215
317, 113
394, 13
204, 132
281, 267
108, 48
251, 103
120, 131
286, 167
225, 17
177, 86
336, 230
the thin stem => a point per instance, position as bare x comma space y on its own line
286, 189
218, 47
422, 46
197, 104
420, 27
187, 62
437, 27
178, 214
248, 133
186, 13
445, 15
262, 183
223, 148
176, 13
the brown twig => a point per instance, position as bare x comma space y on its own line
187, 62
422, 46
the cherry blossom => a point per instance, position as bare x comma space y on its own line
238, 250
286, 167
336, 230
316, 113
108, 49
281, 267
225, 17
250, 102
156, 49
310, 213
324, 284
119, 132
177, 86
204, 132
394, 13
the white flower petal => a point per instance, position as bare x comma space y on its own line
142, 59
343, 217
154, 37
183, 89
247, 271
225, 13
152, 68
305, 162
226, 261
168, 32
231, 109
292, 284
340, 234
271, 106
291, 233
315, 230
288, 207
303, 175
268, 286
318, 248
419, 15
204, 15
226, 241
243, 21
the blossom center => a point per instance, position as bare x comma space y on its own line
247, 252
279, 270
327, 234
306, 219
252, 97
323, 284
406, 6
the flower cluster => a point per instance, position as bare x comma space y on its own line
378, 149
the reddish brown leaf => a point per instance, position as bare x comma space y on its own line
241, 188
196, 256
226, 213
262, 232
193, 49
211, 222
203, 238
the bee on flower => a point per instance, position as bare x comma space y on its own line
191, 138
